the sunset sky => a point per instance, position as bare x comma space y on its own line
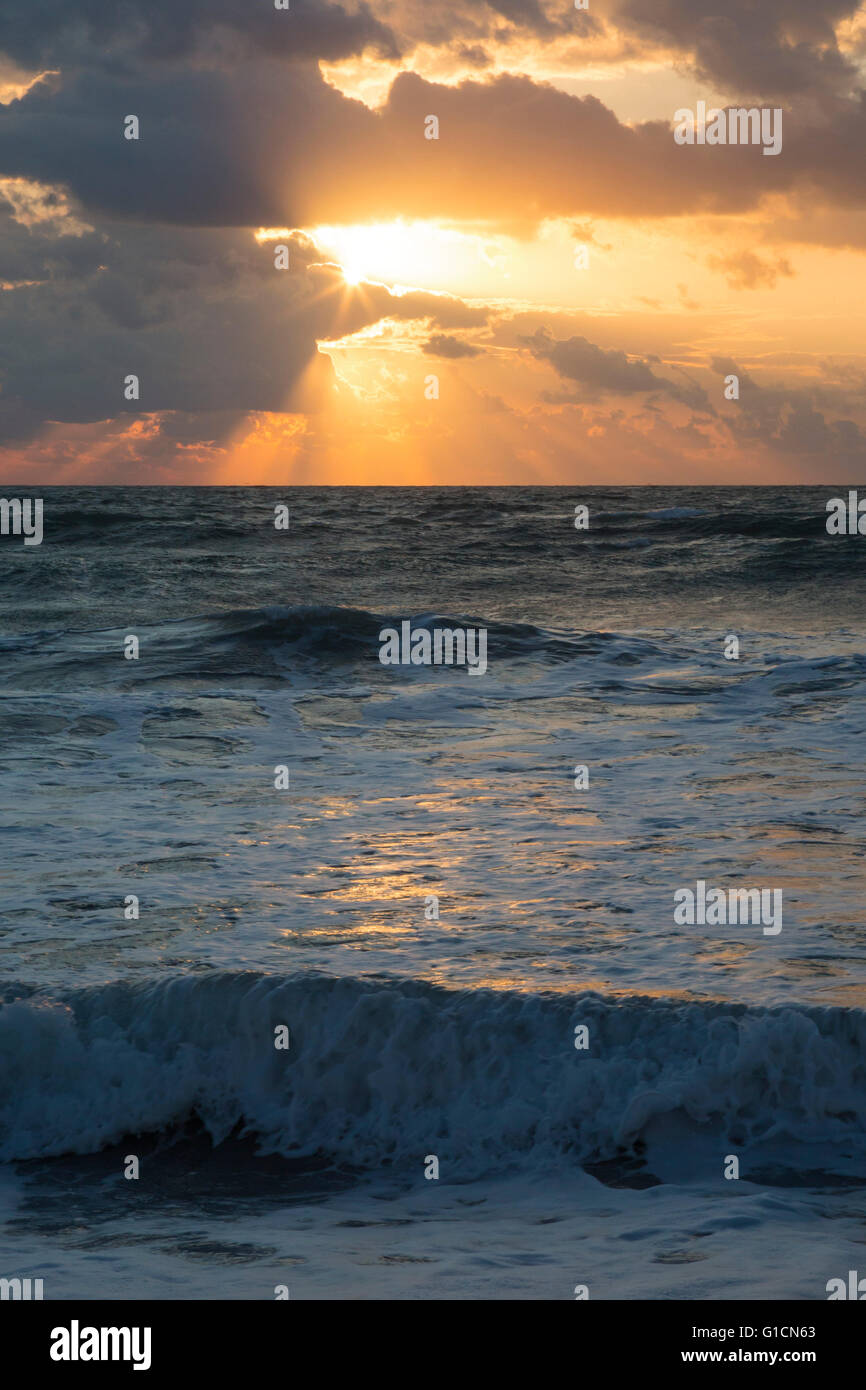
411, 258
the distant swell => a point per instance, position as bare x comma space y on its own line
71, 522
385, 1072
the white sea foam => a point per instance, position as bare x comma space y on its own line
386, 1072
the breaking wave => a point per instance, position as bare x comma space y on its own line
381, 1072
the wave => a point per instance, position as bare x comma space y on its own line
386, 1072
695, 523
273, 643
316, 630
206, 517
335, 631
96, 525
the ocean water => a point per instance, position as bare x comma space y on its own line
310, 907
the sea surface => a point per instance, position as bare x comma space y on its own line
313, 907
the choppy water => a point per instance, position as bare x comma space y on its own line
306, 906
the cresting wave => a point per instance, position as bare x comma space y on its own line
215, 642
337, 631
380, 1073
270, 641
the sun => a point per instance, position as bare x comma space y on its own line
419, 255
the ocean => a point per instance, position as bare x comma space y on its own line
375, 970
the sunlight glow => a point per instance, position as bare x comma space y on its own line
421, 254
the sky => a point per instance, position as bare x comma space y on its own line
403, 243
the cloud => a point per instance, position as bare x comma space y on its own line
260, 144
41, 33
202, 318
686, 300
443, 310
788, 420
473, 55
445, 345
603, 369
138, 256
585, 233
781, 48
743, 270
606, 369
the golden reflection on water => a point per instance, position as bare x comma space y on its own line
376, 887
345, 931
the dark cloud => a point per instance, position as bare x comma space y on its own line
215, 148
600, 368
91, 33
445, 345
474, 55
203, 318
807, 431
125, 33
443, 310
260, 145
775, 48
529, 14
789, 419
603, 370
778, 48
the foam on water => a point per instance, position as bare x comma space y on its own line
382, 1072
451, 1036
